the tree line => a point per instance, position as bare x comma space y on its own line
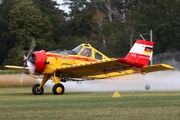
108, 25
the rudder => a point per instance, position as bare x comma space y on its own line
141, 52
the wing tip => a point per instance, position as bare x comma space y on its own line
167, 66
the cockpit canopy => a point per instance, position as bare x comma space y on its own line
83, 50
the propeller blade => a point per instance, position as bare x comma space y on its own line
21, 76
25, 57
33, 44
27, 62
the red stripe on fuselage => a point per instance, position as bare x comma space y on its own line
131, 63
74, 57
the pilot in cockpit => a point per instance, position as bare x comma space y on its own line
86, 52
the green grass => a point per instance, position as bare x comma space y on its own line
18, 103
2, 72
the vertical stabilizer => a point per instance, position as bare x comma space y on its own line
141, 52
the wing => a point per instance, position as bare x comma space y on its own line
107, 66
18, 68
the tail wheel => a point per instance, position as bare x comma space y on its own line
58, 89
36, 91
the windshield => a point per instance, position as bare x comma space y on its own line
77, 49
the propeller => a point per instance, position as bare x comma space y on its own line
28, 60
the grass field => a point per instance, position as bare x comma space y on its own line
18, 103
2, 72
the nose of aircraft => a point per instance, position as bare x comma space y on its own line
38, 59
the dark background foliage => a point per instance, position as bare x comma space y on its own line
108, 25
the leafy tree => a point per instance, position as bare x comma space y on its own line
57, 17
106, 24
80, 25
163, 19
6, 42
25, 23
76, 6
110, 22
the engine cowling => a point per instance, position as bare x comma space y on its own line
40, 58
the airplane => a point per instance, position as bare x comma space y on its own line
86, 63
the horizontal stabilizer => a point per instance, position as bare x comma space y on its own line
157, 67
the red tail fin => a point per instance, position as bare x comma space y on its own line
141, 52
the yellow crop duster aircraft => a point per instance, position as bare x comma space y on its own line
85, 62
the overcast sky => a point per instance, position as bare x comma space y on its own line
63, 7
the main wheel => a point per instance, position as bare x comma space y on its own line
58, 89
35, 90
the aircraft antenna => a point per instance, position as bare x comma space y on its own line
142, 37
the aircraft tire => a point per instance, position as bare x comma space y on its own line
58, 89
35, 90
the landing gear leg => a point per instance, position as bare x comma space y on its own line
38, 88
58, 88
